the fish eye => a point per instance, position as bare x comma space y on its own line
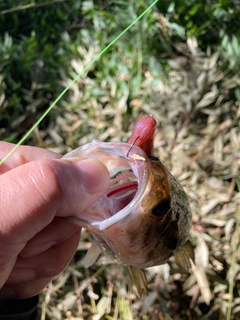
153, 158
161, 208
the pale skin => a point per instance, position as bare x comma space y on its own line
38, 190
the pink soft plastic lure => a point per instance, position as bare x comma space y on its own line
144, 217
143, 134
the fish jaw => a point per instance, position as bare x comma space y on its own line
128, 176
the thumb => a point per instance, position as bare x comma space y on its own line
32, 194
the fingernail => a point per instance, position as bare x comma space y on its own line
95, 175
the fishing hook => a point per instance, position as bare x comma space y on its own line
132, 146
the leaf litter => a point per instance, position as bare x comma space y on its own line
198, 139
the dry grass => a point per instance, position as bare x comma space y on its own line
198, 139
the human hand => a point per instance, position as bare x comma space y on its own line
38, 190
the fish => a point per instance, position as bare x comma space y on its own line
144, 218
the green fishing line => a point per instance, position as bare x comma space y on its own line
73, 81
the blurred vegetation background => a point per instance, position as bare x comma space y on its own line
180, 63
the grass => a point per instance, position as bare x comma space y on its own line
198, 140
88, 66
194, 96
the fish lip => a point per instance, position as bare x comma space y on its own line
114, 157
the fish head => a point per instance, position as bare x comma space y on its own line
144, 216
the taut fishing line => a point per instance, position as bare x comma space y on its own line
73, 81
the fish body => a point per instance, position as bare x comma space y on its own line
144, 217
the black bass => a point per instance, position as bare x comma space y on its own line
144, 217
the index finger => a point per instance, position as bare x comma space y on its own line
22, 155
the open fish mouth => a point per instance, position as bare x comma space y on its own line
129, 172
123, 188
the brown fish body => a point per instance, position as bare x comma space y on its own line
144, 218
